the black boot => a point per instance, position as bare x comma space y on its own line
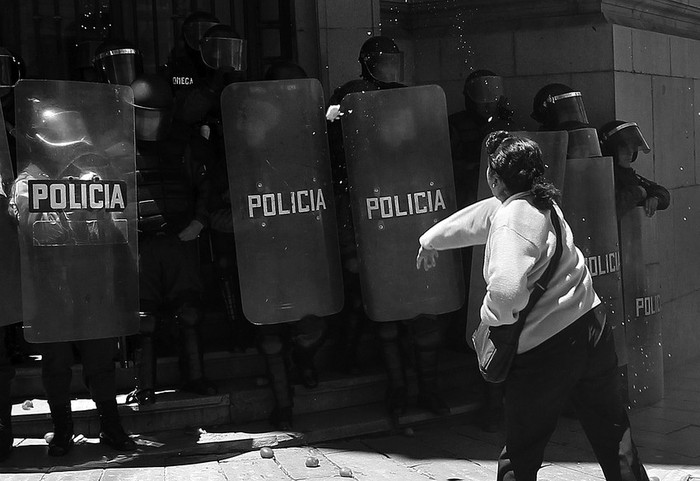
61, 441
281, 416
145, 366
6, 437
111, 431
192, 363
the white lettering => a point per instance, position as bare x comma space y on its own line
94, 202
286, 203
39, 192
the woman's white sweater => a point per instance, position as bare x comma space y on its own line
520, 241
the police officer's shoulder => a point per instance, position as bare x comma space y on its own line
353, 86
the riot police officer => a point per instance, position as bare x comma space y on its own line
623, 141
292, 344
173, 193
381, 68
223, 54
79, 244
381, 62
10, 72
486, 109
558, 107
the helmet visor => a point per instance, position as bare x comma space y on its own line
628, 134
61, 128
225, 54
568, 107
487, 89
119, 67
385, 66
194, 31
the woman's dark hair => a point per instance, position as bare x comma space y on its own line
518, 162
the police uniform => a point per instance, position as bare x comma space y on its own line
173, 190
96, 355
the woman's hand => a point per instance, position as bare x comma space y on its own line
427, 257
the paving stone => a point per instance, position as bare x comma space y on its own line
195, 472
251, 467
372, 466
134, 474
556, 472
89, 475
22, 476
293, 463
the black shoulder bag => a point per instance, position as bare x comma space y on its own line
496, 346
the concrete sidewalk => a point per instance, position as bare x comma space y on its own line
424, 448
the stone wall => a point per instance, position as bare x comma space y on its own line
633, 62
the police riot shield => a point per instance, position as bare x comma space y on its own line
583, 143
75, 203
589, 208
10, 292
282, 200
553, 145
643, 315
401, 184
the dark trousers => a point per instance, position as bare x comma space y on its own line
536, 392
97, 357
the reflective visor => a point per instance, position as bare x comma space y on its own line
628, 134
485, 89
225, 54
61, 128
119, 66
568, 107
194, 31
385, 66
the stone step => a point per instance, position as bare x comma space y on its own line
227, 439
244, 400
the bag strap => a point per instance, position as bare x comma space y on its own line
542, 282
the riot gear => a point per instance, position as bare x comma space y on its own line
77, 240
387, 132
483, 86
381, 60
281, 196
195, 25
223, 49
118, 62
555, 104
284, 71
617, 133
583, 141
153, 102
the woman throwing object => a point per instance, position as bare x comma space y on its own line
564, 350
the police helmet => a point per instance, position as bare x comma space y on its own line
283, 70
483, 86
555, 104
117, 62
381, 59
194, 26
223, 49
153, 106
619, 132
